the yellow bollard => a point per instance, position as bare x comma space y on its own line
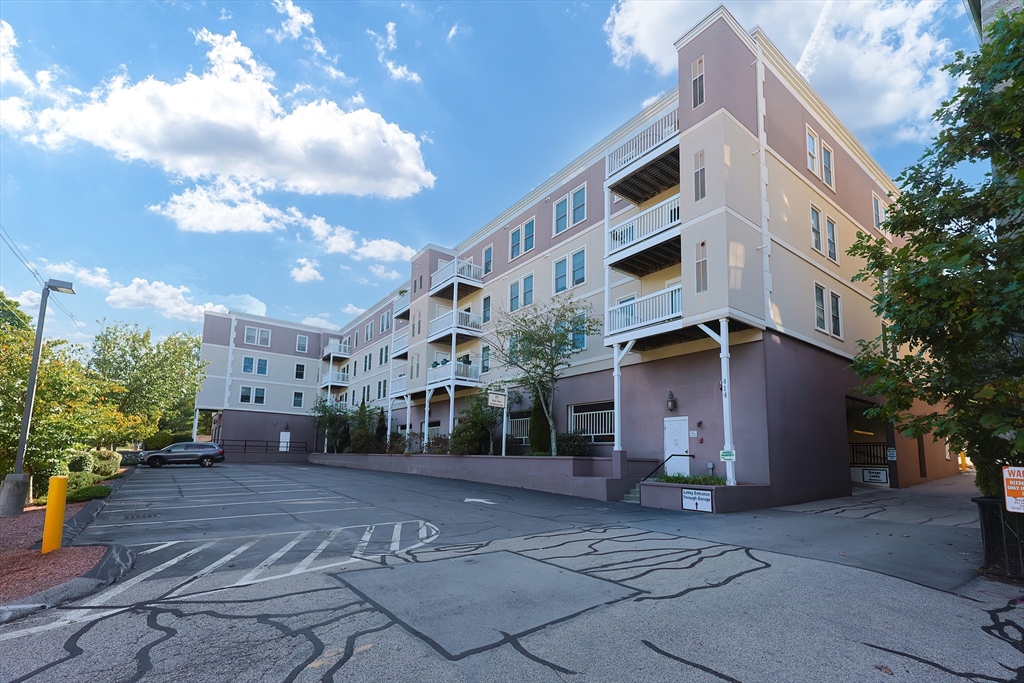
963, 461
53, 526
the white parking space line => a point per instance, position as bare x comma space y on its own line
209, 519
358, 552
396, 537
280, 533
308, 559
209, 568
249, 502
423, 531
262, 566
159, 547
201, 496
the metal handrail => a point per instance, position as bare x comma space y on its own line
662, 463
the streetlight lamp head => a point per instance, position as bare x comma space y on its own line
62, 286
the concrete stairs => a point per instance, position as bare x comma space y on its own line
633, 496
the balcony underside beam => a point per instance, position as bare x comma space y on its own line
650, 260
648, 182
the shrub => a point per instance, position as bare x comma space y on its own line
106, 463
365, 442
573, 445
161, 439
540, 432
42, 472
397, 443
80, 462
88, 493
469, 439
702, 479
79, 480
439, 443
181, 438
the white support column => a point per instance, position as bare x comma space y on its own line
723, 342
618, 353
391, 403
195, 424
426, 416
455, 322
408, 421
607, 270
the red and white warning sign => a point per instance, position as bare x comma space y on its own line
1013, 487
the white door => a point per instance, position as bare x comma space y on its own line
677, 442
286, 439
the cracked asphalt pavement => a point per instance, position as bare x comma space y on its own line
306, 573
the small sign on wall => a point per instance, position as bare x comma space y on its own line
890, 454
875, 476
697, 499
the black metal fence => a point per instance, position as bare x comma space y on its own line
1002, 536
868, 455
256, 446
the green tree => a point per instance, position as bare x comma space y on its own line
478, 423
951, 290
540, 435
334, 419
538, 343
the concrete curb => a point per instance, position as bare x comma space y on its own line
115, 563
74, 526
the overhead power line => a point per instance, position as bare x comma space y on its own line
5, 236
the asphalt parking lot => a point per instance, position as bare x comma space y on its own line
306, 573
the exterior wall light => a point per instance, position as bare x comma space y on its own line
670, 403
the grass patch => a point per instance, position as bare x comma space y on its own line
702, 479
88, 493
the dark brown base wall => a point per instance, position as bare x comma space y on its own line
242, 425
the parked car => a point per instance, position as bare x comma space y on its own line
203, 454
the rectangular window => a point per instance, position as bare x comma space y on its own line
517, 244
513, 296
261, 366
383, 355
264, 337
561, 275
300, 371
579, 204
356, 340
368, 362
579, 341
561, 215
369, 331
879, 211
385, 322
248, 365
700, 188
579, 268
697, 79
819, 308
816, 228
301, 343
259, 396
296, 399
702, 267
527, 235
527, 290
830, 238
488, 260
812, 152
837, 314
485, 359
826, 166
246, 395
487, 309
250, 335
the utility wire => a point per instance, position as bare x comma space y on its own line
5, 236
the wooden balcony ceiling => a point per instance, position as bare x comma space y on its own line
466, 287
687, 334
651, 260
651, 180
444, 337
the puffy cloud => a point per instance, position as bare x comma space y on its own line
384, 250
225, 205
10, 72
29, 301
296, 20
243, 303
168, 300
319, 322
95, 277
385, 273
228, 122
352, 309
840, 47
306, 271
387, 44
651, 100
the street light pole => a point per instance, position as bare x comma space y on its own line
14, 491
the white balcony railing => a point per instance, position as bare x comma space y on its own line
400, 344
649, 138
401, 303
647, 310
333, 378
336, 402
465, 320
398, 385
449, 270
337, 348
641, 226
519, 428
459, 371
593, 423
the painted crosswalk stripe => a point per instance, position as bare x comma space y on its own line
308, 559
262, 566
364, 541
396, 537
211, 567
159, 547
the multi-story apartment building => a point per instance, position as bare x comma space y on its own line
710, 233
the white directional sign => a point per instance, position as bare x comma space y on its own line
495, 400
697, 499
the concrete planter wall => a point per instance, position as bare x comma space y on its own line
585, 477
665, 496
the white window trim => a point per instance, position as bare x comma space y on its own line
842, 327
483, 256
256, 368
821, 227
572, 223
707, 269
704, 82
523, 228
297, 365
522, 290
490, 309
877, 225
385, 322
569, 274
519, 295
835, 223
554, 215
626, 299
302, 399
250, 372
241, 389
255, 335
511, 232
482, 370
297, 338
825, 305
368, 331
254, 390
817, 152
269, 337
702, 158
554, 276
824, 145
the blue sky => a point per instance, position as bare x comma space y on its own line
285, 158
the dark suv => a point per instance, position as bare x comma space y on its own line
203, 454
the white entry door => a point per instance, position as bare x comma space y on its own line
286, 442
677, 442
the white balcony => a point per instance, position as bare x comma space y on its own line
595, 425
468, 276
465, 325
401, 311
646, 164
334, 379
646, 311
398, 385
400, 346
460, 373
337, 348
645, 243
334, 401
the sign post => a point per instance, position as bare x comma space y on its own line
496, 400
1013, 488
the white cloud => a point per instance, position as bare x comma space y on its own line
168, 300
95, 277
29, 301
352, 309
224, 14
651, 100
228, 122
841, 47
385, 273
357, 100
10, 72
296, 20
453, 32
389, 43
243, 303
384, 250
319, 322
306, 271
